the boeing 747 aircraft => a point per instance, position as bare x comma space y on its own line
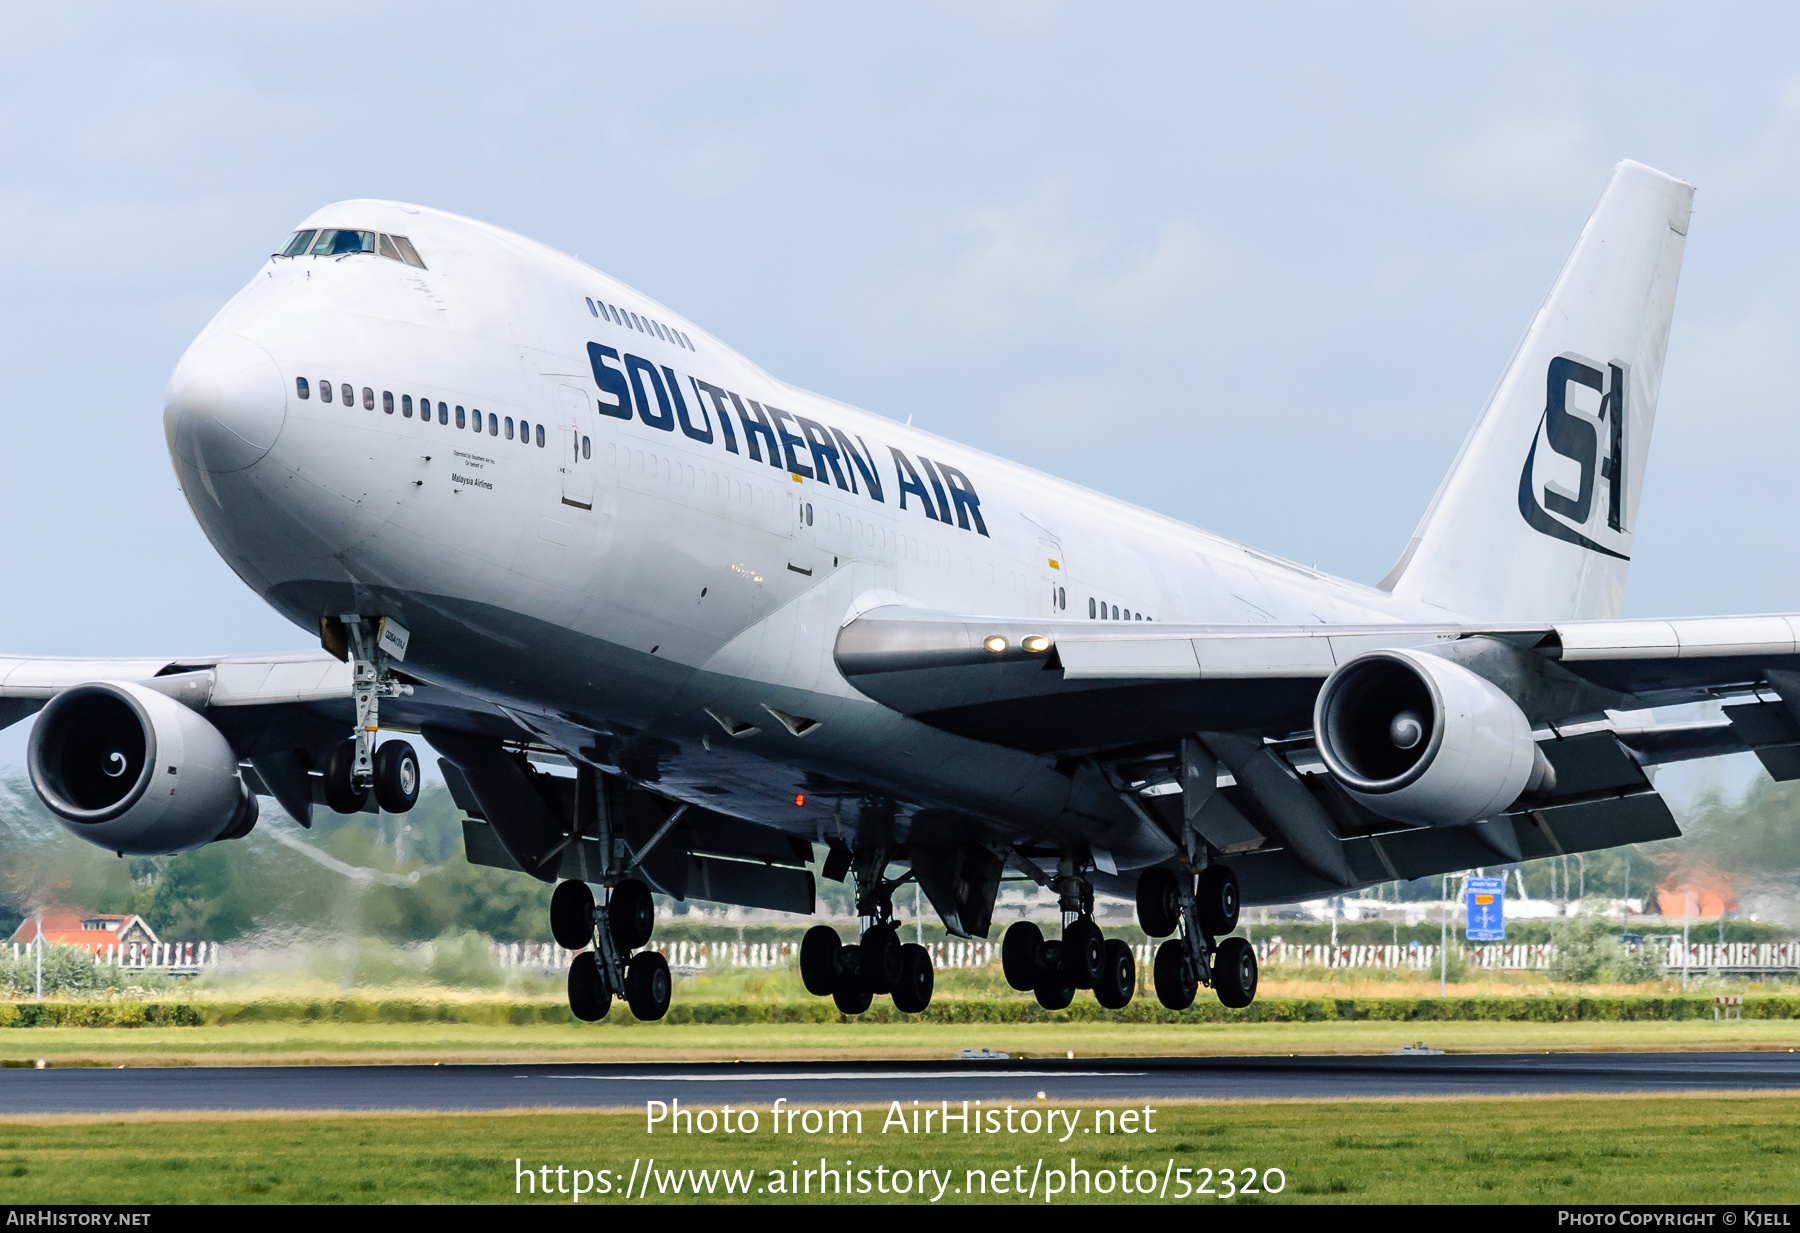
671, 623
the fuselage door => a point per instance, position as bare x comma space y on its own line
1052, 574
803, 547
575, 424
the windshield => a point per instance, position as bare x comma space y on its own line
332, 242
338, 241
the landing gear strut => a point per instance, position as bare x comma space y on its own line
879, 963
1083, 958
1198, 908
356, 766
614, 928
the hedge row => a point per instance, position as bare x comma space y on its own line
101, 1014
1524, 1009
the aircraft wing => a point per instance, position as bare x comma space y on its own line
1155, 711
285, 694
267, 706
281, 712
1096, 686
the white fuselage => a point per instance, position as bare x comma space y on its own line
652, 575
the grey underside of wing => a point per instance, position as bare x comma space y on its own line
1603, 798
1116, 694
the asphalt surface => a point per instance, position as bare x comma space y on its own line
452, 1088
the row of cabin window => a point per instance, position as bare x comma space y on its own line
643, 325
496, 426
1097, 611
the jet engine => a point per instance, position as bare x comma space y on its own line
1419, 739
132, 770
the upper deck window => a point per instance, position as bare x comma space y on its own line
334, 242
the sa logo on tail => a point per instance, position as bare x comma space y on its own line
1575, 434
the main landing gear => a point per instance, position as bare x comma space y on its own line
1198, 909
1083, 958
356, 766
614, 928
880, 963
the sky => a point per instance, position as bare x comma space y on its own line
1253, 266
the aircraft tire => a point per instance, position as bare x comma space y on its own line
396, 777
1175, 985
1021, 955
912, 992
1216, 900
632, 914
1118, 976
852, 997
341, 792
1234, 973
881, 958
1158, 901
648, 988
572, 915
818, 960
1054, 993
847, 973
588, 999
1083, 953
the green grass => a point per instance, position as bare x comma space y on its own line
319, 1042
1638, 1150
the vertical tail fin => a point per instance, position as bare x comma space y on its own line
1534, 521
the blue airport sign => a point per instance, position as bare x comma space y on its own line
1486, 903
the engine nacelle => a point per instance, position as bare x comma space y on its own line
1419, 739
132, 770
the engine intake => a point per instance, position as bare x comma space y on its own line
1419, 739
132, 770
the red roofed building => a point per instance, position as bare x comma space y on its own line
93, 930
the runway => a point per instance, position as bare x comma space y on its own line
467, 1088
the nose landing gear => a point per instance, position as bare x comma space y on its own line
356, 766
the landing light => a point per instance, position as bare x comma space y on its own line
995, 643
1036, 644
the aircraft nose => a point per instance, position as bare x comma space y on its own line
224, 404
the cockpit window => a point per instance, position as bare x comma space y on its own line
408, 253
334, 242
337, 241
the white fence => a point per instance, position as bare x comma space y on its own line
1732, 958
177, 958
1728, 957
695, 956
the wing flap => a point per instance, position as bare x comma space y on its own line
1145, 659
